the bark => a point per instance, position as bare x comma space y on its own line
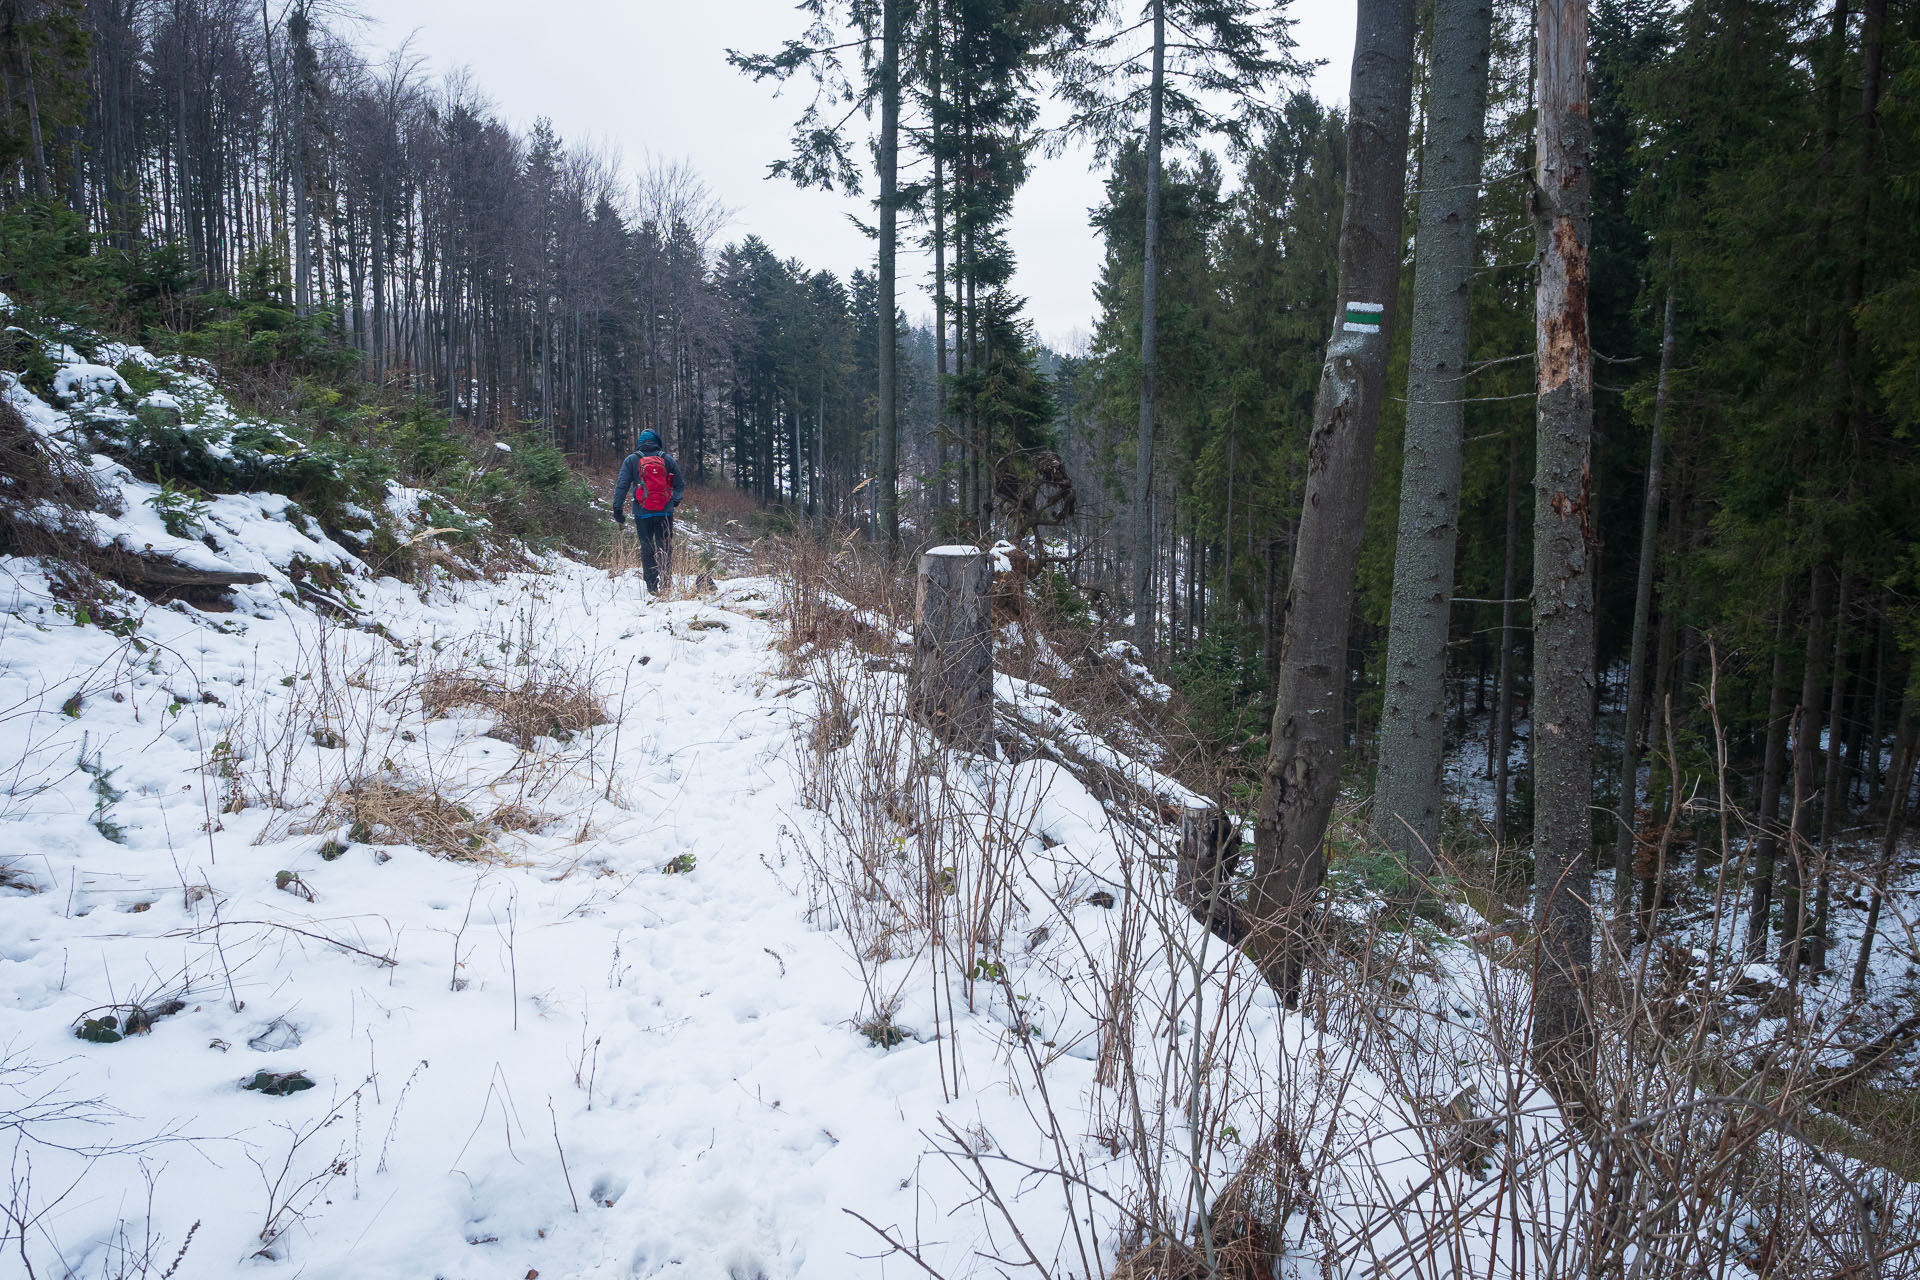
1563, 680
1503, 711
1204, 867
1878, 731
1406, 805
887, 497
1623, 846
1830, 804
1143, 601
938, 147
1302, 772
1766, 849
953, 647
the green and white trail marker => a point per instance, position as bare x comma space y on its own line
1364, 317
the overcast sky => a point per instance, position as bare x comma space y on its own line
649, 78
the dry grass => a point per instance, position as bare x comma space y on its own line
552, 703
1408, 1136
380, 810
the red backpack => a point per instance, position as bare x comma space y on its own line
656, 486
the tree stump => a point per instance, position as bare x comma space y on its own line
952, 682
1206, 869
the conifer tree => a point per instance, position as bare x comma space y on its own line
1406, 806
1236, 50
1562, 559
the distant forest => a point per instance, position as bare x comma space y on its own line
255, 169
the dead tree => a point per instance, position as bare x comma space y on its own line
952, 690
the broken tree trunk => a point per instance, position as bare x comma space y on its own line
1204, 873
952, 690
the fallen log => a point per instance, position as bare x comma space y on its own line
160, 579
155, 571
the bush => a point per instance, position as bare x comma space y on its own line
1225, 685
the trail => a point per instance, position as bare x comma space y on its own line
734, 1108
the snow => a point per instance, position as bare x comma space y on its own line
78, 381
668, 1001
954, 549
646, 959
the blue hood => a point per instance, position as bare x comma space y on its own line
649, 442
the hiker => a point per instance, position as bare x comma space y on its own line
652, 479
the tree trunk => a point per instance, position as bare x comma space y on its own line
1878, 729
1406, 803
1831, 805
937, 146
1623, 843
1889, 844
887, 498
1302, 773
953, 647
1503, 710
1806, 754
1143, 601
1773, 769
1562, 585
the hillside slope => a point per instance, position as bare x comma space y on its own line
470, 926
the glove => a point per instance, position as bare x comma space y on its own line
619, 516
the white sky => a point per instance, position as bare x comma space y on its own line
649, 78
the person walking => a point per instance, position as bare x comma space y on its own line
652, 478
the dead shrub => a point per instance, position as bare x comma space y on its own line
42, 494
527, 706
379, 810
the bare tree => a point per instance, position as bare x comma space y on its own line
1563, 679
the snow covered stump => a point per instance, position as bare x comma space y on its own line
952, 690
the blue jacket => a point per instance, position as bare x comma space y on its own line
630, 476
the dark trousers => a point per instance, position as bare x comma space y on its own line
656, 547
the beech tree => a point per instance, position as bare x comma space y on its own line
1302, 773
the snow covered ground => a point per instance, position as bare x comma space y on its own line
533, 926
319, 952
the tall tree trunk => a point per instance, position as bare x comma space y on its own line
1772, 771
1143, 601
1831, 804
1878, 729
1406, 803
1302, 773
887, 496
1562, 584
37, 150
1623, 843
1806, 754
937, 146
1889, 844
1502, 732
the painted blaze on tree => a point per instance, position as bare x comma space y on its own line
1363, 317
